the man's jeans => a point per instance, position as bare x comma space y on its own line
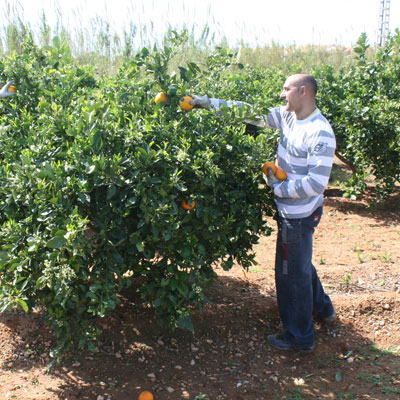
299, 290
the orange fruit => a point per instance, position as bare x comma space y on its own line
12, 88
161, 97
146, 395
188, 206
281, 174
184, 103
269, 164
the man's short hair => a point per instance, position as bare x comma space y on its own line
309, 81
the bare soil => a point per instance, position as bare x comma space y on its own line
357, 255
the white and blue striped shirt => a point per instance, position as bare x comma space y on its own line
306, 151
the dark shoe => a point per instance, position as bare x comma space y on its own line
328, 320
331, 319
277, 342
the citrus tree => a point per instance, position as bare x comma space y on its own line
100, 185
362, 104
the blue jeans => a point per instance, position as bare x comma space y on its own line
299, 290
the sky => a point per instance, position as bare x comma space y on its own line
254, 22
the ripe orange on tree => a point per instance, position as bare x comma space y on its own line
146, 395
269, 164
184, 103
188, 206
12, 88
161, 97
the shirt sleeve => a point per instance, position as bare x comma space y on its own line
320, 154
271, 120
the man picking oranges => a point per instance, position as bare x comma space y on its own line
305, 151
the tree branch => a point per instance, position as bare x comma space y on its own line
346, 162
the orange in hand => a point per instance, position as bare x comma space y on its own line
146, 395
281, 174
269, 164
184, 103
278, 172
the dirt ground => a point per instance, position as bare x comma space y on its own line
357, 255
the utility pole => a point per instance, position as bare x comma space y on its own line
384, 17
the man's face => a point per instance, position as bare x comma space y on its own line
291, 94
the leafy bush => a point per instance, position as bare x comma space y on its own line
363, 107
93, 174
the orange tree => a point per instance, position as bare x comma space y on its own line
93, 176
362, 104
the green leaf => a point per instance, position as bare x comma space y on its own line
91, 347
111, 192
140, 246
358, 50
181, 187
186, 323
3, 256
184, 73
158, 303
202, 250
131, 201
56, 242
338, 376
23, 305
7, 306
183, 288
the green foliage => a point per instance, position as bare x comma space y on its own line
232, 80
92, 177
362, 105
93, 174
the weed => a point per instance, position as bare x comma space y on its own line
346, 280
360, 257
376, 380
344, 395
395, 351
386, 257
390, 390
296, 395
356, 227
321, 261
232, 364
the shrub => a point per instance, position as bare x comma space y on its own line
362, 105
93, 173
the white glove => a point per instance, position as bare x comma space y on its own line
200, 101
4, 90
272, 180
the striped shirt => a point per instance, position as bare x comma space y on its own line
306, 150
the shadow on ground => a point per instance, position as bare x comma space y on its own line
385, 212
227, 357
